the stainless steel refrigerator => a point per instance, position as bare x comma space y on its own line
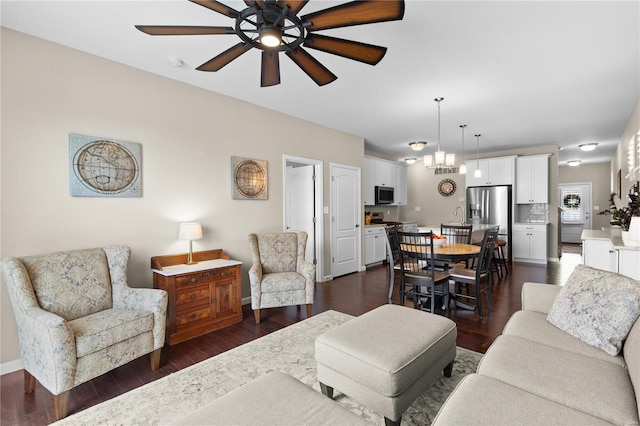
491, 205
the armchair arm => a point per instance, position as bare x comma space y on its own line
146, 299
308, 271
47, 349
255, 280
539, 297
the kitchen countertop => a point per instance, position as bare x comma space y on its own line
476, 226
531, 223
606, 234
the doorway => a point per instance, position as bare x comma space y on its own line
303, 202
574, 200
346, 216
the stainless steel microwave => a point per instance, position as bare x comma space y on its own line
384, 195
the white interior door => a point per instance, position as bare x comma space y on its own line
345, 219
575, 201
300, 203
303, 203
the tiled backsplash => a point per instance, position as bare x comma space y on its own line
532, 213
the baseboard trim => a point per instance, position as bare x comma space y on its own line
10, 367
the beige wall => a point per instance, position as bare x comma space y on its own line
188, 136
619, 161
598, 176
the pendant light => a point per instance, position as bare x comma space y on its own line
477, 173
442, 159
463, 167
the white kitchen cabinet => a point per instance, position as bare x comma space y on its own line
379, 172
629, 263
384, 173
375, 245
400, 190
494, 171
600, 254
532, 179
529, 242
368, 185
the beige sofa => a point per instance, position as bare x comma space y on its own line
535, 373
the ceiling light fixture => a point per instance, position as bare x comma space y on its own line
411, 160
588, 146
477, 173
270, 37
417, 146
573, 163
442, 159
463, 167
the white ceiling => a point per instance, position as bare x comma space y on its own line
520, 73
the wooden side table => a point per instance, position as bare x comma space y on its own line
203, 297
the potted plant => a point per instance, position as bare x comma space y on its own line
622, 217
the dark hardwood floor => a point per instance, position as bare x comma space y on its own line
353, 294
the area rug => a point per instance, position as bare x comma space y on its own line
289, 350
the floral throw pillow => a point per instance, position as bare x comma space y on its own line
597, 307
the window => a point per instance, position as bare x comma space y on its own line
571, 206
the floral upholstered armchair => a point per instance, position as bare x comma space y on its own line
280, 275
78, 319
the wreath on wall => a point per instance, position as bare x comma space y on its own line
572, 201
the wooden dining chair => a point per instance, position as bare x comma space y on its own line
393, 255
418, 277
479, 277
456, 234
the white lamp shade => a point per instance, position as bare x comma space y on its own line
463, 169
477, 173
450, 160
190, 231
428, 160
439, 157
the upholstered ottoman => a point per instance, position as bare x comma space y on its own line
386, 358
273, 399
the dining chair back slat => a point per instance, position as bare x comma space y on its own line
419, 279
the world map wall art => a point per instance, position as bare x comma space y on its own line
101, 167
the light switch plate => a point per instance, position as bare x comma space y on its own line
418, 209
596, 207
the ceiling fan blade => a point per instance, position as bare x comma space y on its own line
217, 7
183, 30
355, 13
363, 52
270, 75
259, 4
310, 65
294, 5
225, 57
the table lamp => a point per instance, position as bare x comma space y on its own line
190, 231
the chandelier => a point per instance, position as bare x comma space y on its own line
442, 159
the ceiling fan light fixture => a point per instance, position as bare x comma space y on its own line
270, 37
411, 160
573, 163
417, 146
588, 146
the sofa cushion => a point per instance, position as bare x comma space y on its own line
481, 400
103, 329
598, 307
71, 284
598, 388
534, 326
278, 252
632, 357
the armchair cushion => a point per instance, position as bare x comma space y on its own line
105, 328
71, 284
282, 281
278, 252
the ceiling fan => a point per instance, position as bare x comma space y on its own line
273, 27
